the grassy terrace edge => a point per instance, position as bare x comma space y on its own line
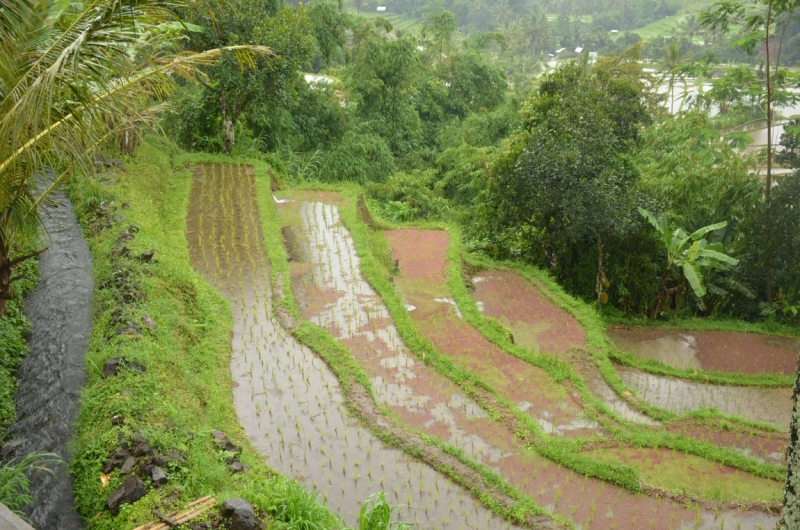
13, 328
186, 391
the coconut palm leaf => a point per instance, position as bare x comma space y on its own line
73, 76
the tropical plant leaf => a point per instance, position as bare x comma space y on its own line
706, 229
718, 256
695, 279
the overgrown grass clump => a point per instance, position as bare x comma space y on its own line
13, 328
185, 392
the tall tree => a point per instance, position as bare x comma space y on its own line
566, 180
764, 21
71, 77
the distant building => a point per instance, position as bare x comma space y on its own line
381, 8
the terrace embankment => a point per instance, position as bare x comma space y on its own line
289, 402
544, 327
589, 502
721, 351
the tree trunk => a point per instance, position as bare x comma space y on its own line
790, 516
5, 283
768, 185
227, 124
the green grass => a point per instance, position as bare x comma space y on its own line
186, 391
13, 328
399, 22
670, 471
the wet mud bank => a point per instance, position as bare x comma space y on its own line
52, 375
584, 501
289, 402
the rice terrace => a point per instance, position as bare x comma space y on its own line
430, 265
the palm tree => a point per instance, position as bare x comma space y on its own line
673, 58
689, 27
536, 29
73, 76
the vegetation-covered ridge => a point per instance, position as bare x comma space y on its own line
174, 386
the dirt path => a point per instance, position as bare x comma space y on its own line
723, 351
288, 401
588, 502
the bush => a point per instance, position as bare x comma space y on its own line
361, 158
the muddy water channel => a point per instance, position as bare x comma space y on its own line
288, 401
335, 295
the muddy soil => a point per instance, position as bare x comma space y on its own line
288, 401
536, 322
767, 405
542, 327
587, 502
53, 374
723, 351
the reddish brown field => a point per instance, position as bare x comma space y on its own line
537, 323
723, 351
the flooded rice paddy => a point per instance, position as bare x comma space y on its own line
770, 405
540, 326
288, 401
291, 404
723, 351
587, 502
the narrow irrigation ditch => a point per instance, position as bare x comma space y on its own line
53, 374
288, 401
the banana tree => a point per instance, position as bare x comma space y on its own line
72, 76
693, 254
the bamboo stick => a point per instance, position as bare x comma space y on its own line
207, 502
